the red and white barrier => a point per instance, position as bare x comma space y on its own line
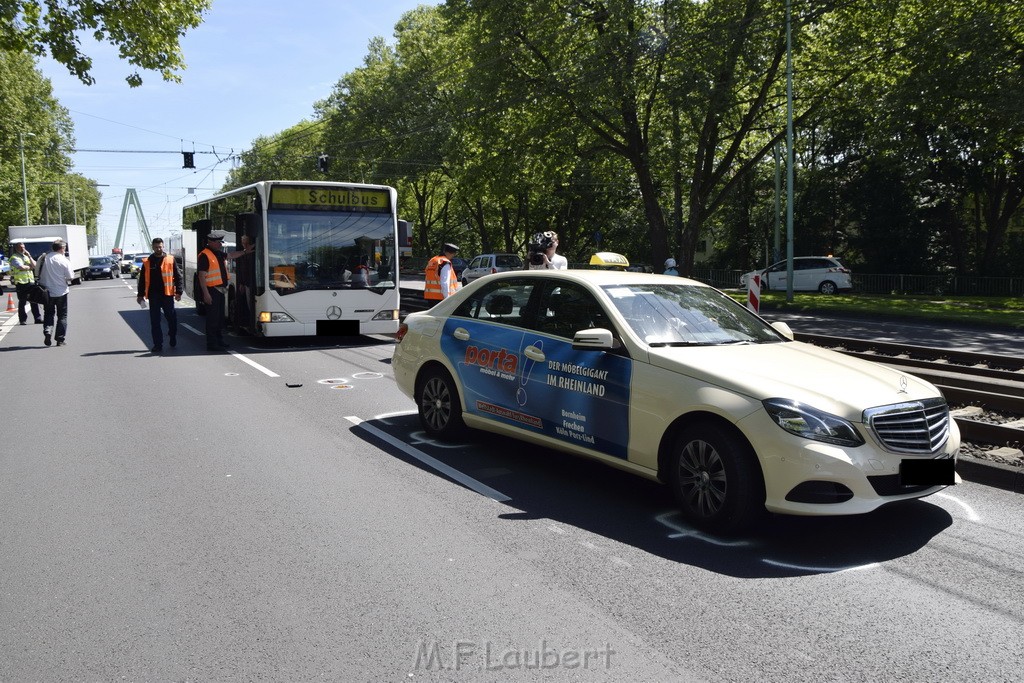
754, 293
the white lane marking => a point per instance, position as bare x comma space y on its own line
265, 371
465, 480
971, 514
8, 325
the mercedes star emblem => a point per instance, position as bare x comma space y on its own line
333, 313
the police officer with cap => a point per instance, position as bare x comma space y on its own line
213, 286
440, 280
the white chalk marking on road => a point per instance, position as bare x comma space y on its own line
822, 570
383, 417
971, 514
451, 472
682, 531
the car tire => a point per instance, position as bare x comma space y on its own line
716, 479
828, 287
465, 282
438, 405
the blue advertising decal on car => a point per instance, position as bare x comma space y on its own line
538, 382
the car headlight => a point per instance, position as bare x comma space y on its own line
811, 423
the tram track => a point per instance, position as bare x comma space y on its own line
976, 385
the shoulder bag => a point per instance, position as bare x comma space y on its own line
37, 292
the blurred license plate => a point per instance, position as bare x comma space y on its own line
927, 472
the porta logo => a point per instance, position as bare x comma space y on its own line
502, 360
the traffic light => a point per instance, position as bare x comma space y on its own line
189, 161
323, 162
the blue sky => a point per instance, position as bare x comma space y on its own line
255, 67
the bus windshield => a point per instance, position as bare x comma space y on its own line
330, 250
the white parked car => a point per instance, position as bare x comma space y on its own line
823, 274
488, 264
672, 380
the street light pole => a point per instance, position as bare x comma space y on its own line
60, 212
24, 185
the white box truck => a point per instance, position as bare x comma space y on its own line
39, 240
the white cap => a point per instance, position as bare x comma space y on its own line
670, 263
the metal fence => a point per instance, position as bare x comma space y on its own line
940, 284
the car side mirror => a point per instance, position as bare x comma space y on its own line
783, 329
596, 338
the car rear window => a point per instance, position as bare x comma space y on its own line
508, 261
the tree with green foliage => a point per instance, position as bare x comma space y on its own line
145, 32
34, 127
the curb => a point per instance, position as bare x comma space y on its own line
989, 473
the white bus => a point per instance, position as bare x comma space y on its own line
310, 258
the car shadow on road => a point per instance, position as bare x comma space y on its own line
546, 484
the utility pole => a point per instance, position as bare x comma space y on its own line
789, 152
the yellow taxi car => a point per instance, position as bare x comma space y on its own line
672, 380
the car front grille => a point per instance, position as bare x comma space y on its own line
920, 427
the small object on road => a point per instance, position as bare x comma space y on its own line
291, 385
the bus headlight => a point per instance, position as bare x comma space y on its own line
275, 317
386, 315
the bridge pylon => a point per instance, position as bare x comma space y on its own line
131, 198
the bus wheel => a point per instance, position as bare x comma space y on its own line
716, 479
438, 403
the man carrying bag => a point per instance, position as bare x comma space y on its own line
54, 274
23, 278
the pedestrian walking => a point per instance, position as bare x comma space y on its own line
23, 275
160, 282
55, 273
213, 286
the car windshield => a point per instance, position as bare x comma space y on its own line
687, 315
99, 261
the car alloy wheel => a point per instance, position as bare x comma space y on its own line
828, 287
716, 479
438, 403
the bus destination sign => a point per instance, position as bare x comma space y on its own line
311, 198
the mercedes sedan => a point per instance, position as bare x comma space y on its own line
672, 380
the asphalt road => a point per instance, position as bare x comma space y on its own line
277, 513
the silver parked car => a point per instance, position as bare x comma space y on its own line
486, 264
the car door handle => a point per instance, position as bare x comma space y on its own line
534, 353
461, 333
